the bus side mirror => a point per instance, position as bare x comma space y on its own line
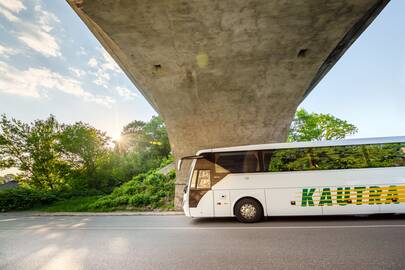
185, 189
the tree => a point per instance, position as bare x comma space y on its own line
157, 138
35, 150
48, 154
316, 127
132, 137
82, 145
149, 139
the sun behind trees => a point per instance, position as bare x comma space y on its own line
54, 156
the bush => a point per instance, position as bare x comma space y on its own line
22, 198
147, 191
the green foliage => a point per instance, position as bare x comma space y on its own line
71, 162
24, 198
142, 147
146, 191
83, 146
51, 156
149, 140
338, 157
316, 127
35, 150
73, 204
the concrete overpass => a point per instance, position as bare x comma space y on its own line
226, 72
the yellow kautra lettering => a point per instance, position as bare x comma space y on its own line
392, 195
359, 194
374, 196
343, 195
307, 199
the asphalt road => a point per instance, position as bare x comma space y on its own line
177, 242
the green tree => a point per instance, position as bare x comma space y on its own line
83, 145
132, 137
50, 155
157, 138
316, 127
35, 150
145, 144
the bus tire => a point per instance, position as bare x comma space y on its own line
248, 210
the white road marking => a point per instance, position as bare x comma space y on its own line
10, 219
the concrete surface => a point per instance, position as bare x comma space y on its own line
226, 72
176, 242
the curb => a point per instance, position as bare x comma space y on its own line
118, 213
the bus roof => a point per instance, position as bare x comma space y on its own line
269, 146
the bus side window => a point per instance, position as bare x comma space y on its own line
267, 155
294, 159
237, 162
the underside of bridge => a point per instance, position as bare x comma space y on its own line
225, 72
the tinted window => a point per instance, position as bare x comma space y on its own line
237, 162
337, 157
287, 160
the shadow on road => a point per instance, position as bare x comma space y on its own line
304, 219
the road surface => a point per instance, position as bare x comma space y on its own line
176, 242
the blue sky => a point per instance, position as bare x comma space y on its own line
51, 64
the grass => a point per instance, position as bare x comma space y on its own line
86, 204
74, 204
145, 192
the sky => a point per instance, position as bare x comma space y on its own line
50, 63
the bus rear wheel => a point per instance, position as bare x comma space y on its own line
248, 210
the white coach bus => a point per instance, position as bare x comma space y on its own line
357, 176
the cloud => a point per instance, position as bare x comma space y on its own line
109, 63
103, 67
92, 62
46, 19
6, 51
37, 82
9, 16
41, 42
77, 72
13, 5
9, 8
37, 35
125, 92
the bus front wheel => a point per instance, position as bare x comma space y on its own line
248, 210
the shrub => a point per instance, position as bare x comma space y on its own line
147, 191
23, 198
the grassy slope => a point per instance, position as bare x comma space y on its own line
75, 204
145, 192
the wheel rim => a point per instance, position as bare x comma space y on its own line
248, 211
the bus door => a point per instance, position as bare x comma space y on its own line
201, 196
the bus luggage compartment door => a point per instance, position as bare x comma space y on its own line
222, 204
